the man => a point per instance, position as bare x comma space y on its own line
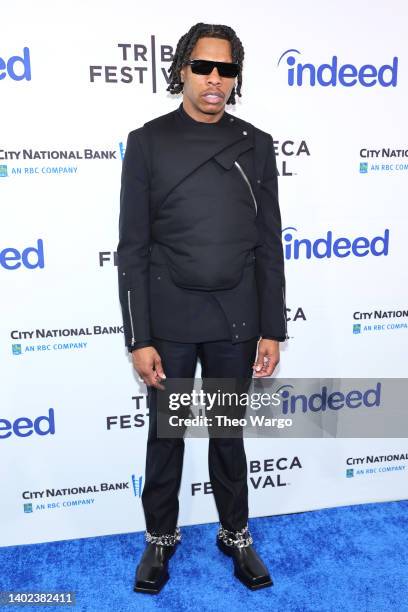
201, 274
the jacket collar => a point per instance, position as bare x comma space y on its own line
201, 124
180, 147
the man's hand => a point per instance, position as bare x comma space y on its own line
148, 365
267, 359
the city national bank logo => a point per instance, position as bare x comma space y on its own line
263, 474
79, 495
328, 246
383, 160
380, 321
20, 160
324, 399
16, 67
137, 484
335, 74
136, 63
74, 334
371, 465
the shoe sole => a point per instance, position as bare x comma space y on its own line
139, 588
254, 587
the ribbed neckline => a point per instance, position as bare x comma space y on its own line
186, 117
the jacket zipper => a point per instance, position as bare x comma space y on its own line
284, 312
131, 320
248, 183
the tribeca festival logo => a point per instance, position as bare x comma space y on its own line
384, 159
138, 418
327, 247
380, 321
133, 63
334, 73
16, 67
288, 153
273, 472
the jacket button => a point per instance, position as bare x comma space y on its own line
258, 180
245, 133
232, 119
123, 273
243, 323
236, 335
233, 325
159, 277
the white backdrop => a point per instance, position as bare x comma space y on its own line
67, 96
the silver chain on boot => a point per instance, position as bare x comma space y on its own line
235, 538
165, 539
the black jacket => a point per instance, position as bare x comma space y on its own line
233, 251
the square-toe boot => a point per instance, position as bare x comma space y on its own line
248, 566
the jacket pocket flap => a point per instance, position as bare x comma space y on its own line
227, 156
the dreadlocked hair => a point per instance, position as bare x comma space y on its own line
186, 44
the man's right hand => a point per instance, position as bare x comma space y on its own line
148, 365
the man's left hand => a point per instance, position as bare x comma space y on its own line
267, 358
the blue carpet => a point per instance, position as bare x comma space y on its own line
353, 558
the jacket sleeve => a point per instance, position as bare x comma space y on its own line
133, 249
270, 275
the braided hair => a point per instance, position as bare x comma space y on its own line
186, 44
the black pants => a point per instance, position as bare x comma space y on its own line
226, 456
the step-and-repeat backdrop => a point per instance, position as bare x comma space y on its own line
330, 83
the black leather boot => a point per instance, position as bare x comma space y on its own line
152, 573
248, 567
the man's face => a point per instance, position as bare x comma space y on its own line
206, 95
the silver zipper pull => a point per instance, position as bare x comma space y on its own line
131, 320
284, 312
244, 176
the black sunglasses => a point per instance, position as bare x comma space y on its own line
225, 69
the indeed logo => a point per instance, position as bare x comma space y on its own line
322, 400
31, 257
16, 67
334, 73
24, 427
295, 248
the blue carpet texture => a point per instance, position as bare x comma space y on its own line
353, 558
